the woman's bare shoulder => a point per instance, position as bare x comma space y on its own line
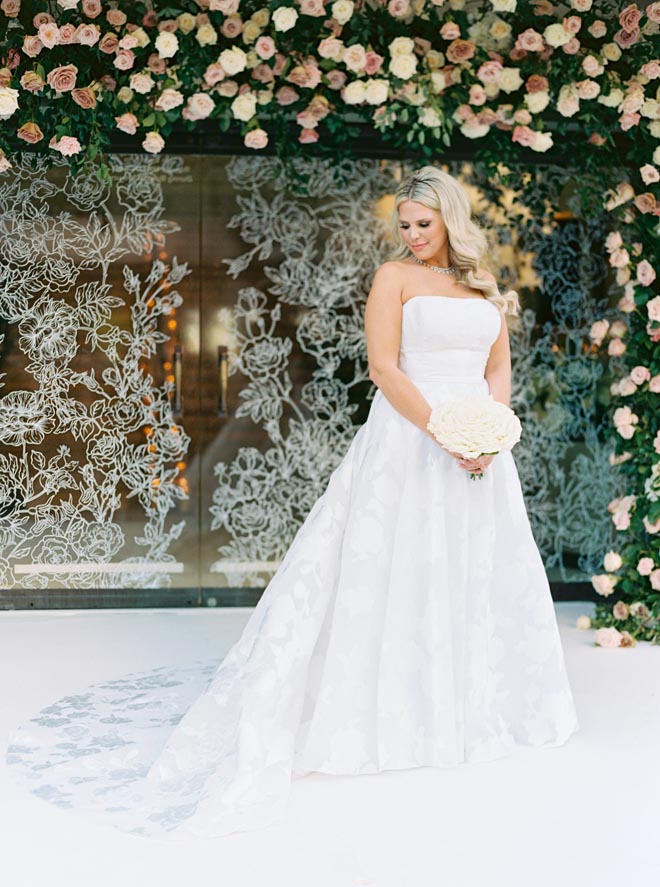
391, 269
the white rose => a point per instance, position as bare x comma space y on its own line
542, 141
401, 46
475, 130
186, 22
377, 91
430, 118
611, 52
206, 35
403, 66
244, 106
233, 60
556, 35
537, 101
167, 44
342, 11
8, 102
355, 92
654, 128
656, 156
504, 5
67, 4
509, 79
613, 99
284, 18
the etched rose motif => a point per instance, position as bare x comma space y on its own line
23, 419
107, 452
265, 356
86, 192
50, 331
95, 541
52, 550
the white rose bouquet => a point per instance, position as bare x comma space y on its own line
475, 426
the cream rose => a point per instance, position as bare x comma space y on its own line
153, 143
167, 45
401, 46
233, 60
206, 35
244, 106
403, 66
556, 35
342, 11
284, 18
8, 102
355, 92
509, 79
376, 91
537, 101
612, 561
199, 106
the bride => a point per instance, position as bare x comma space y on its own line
410, 623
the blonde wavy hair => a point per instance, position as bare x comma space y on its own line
468, 242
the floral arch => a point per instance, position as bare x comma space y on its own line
511, 79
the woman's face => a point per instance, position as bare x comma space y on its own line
422, 229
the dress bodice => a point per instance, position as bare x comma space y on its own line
447, 338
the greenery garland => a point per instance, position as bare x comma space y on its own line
568, 80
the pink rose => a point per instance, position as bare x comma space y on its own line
336, 79
312, 7
11, 8
620, 610
307, 136
604, 584
67, 145
228, 88
42, 18
630, 17
654, 384
68, 34
640, 374
280, 61
626, 39
128, 42
63, 78
124, 60
655, 580
645, 273
214, 74
649, 174
530, 41
653, 308
199, 106
256, 138
651, 69
156, 64
84, 97
621, 520
127, 123
30, 133
572, 47
286, 95
374, 63
490, 72
265, 49
142, 83
49, 34
645, 566
32, 46
153, 143
649, 527
263, 73
232, 26
169, 99
608, 637
226, 6
523, 135
398, 8
619, 258
656, 443
572, 24
450, 31
92, 8
477, 94
355, 58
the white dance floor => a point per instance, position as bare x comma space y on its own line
587, 813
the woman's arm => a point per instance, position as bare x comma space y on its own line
498, 366
382, 321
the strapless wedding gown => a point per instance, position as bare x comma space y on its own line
410, 624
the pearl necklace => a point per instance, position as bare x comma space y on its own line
449, 270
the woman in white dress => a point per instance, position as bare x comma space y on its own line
410, 623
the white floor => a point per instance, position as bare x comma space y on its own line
585, 814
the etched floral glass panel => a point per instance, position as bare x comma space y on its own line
184, 362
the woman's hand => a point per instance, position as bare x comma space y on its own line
475, 466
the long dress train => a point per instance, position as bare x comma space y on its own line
410, 624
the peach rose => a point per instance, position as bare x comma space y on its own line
620, 610
32, 82
460, 50
127, 123
84, 97
604, 584
490, 72
116, 18
68, 33
108, 43
30, 133
32, 46
530, 41
92, 8
640, 374
11, 8
124, 60
645, 273
153, 143
63, 78
88, 35
307, 136
653, 308
450, 31
286, 95
630, 17
654, 384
